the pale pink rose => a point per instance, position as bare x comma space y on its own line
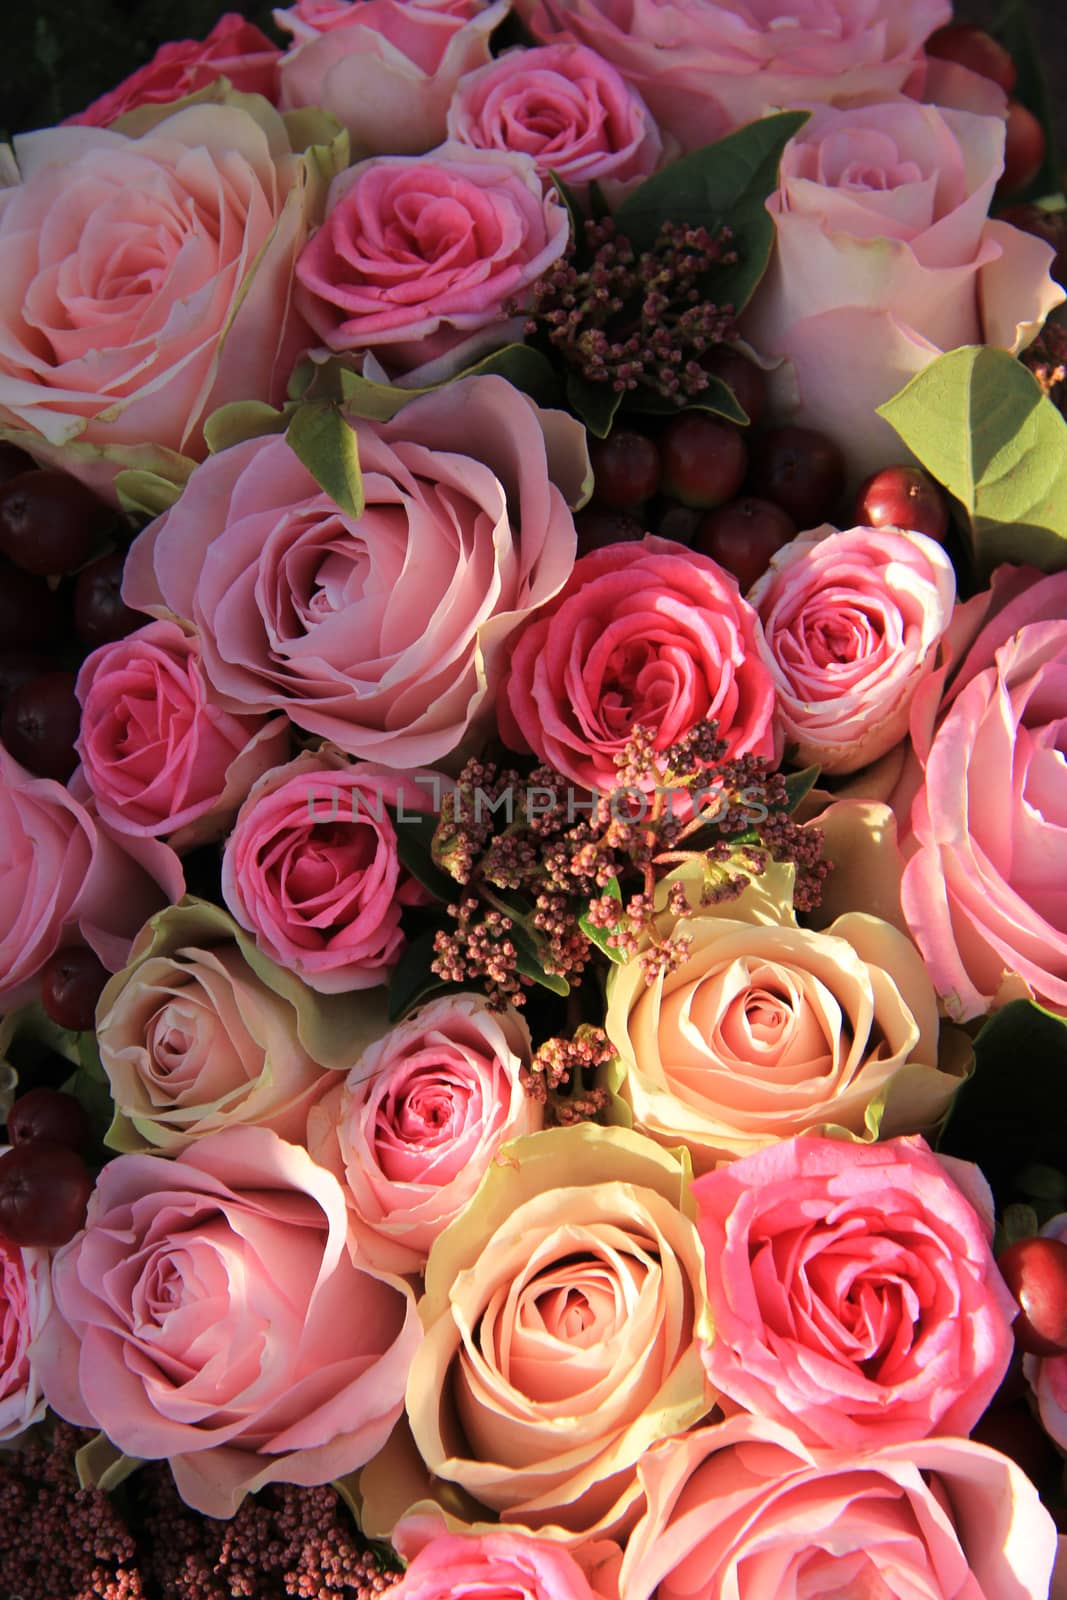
312, 868
648, 634
851, 625
385, 68
210, 1313
707, 66
386, 633
884, 258
853, 1291
476, 1566
1047, 1375
67, 878
235, 49
567, 109
417, 254
161, 759
148, 281
25, 1302
413, 1128
746, 1511
986, 836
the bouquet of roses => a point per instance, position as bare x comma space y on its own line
533, 905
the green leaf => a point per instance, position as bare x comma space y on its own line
600, 936
595, 404
412, 980
241, 420
727, 182
799, 784
978, 421
718, 398
326, 445
528, 962
414, 846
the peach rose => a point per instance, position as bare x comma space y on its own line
884, 258
707, 66
417, 1121
851, 625
767, 1030
563, 1312
148, 281
745, 1510
210, 1313
384, 68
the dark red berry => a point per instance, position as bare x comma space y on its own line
742, 377
101, 616
743, 536
48, 1114
1051, 226
44, 1190
47, 521
1035, 1271
71, 984
625, 469
801, 470
678, 522
1024, 149
40, 723
31, 614
18, 667
704, 459
903, 497
13, 461
596, 527
974, 48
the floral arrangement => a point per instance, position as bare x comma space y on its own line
533, 903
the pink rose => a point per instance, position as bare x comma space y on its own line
160, 757
385, 68
851, 625
312, 868
25, 1302
707, 66
210, 1313
746, 1511
478, 1566
235, 49
418, 254
65, 878
651, 635
567, 109
853, 1290
413, 1128
148, 281
384, 634
884, 258
982, 891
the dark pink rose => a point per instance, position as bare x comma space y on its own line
210, 1313
25, 1302
385, 68
67, 878
853, 1290
235, 49
312, 868
565, 107
384, 633
648, 634
706, 66
161, 759
418, 254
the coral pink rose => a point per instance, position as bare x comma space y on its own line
746, 1511
884, 258
235, 49
160, 758
706, 66
851, 625
66, 878
853, 1290
477, 1566
651, 635
987, 833
565, 107
148, 281
384, 634
210, 1313
420, 255
417, 1121
312, 868
25, 1302
385, 68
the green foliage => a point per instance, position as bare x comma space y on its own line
326, 445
